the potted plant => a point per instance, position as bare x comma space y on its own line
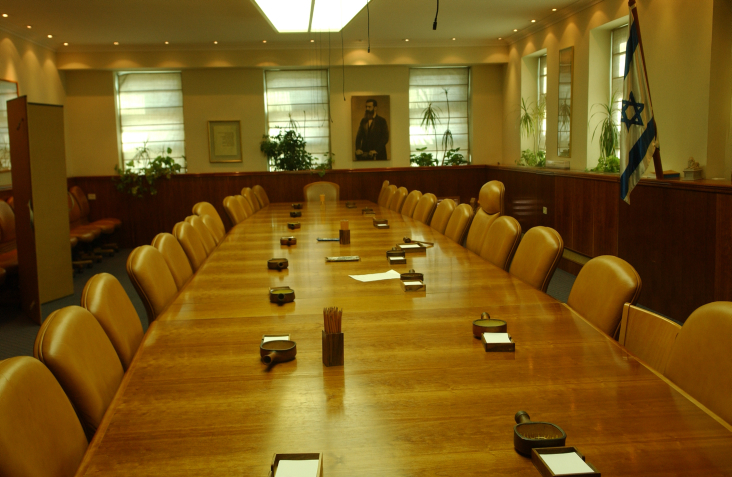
142, 172
608, 139
430, 119
529, 121
286, 151
422, 159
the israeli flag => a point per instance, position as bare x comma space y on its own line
638, 136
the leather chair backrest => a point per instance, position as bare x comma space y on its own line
442, 215
410, 203
152, 279
190, 240
537, 257
39, 431
74, 210
650, 337
397, 200
207, 239
234, 210
11, 202
331, 190
501, 241
175, 257
253, 201
73, 346
602, 287
425, 208
105, 298
261, 195
80, 198
391, 191
203, 209
381, 201
701, 360
213, 228
7, 228
246, 205
491, 207
459, 223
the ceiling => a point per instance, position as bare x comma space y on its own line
195, 24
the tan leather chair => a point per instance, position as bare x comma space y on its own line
11, 202
442, 215
245, 204
190, 240
253, 201
312, 191
490, 208
80, 198
701, 358
205, 209
391, 191
382, 194
459, 223
537, 257
75, 225
650, 337
397, 200
8, 250
73, 345
40, 434
602, 287
410, 203
234, 210
152, 279
207, 239
425, 208
175, 257
105, 298
501, 241
261, 195
213, 228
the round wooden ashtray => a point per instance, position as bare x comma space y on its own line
293, 225
278, 351
277, 263
288, 241
281, 295
295, 213
297, 206
488, 325
529, 435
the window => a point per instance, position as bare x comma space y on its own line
150, 107
8, 91
618, 40
541, 95
447, 89
299, 100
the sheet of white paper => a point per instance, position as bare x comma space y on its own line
396, 258
275, 338
297, 468
412, 283
382, 225
376, 276
566, 464
496, 338
410, 245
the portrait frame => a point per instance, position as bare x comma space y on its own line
224, 141
383, 110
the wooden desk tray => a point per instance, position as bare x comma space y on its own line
413, 285
350, 205
276, 458
283, 336
288, 241
293, 225
281, 295
411, 275
380, 221
367, 211
278, 263
412, 247
295, 213
544, 469
396, 259
382, 226
489, 347
297, 206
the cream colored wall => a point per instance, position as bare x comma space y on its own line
719, 161
486, 110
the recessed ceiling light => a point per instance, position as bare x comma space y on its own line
264, 41
453, 39
310, 16
66, 44
5, 15
554, 9
167, 43
312, 41
500, 38
533, 21
216, 42
50, 36
116, 43
515, 29
28, 26
406, 39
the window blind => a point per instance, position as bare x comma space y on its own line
428, 85
542, 88
299, 99
150, 109
8, 91
618, 41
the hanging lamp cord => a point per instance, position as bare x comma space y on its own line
434, 25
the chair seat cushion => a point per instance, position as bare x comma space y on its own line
9, 261
86, 229
82, 235
106, 227
73, 241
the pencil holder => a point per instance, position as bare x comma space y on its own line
345, 237
332, 349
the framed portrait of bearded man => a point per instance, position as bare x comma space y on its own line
370, 124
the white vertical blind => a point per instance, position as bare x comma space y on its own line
619, 40
8, 91
300, 96
428, 85
151, 111
542, 86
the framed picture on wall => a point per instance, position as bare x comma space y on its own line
370, 126
224, 141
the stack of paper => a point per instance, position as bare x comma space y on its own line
297, 468
496, 338
391, 274
566, 464
275, 338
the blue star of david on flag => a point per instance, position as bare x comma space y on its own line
637, 107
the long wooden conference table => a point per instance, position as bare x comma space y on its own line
417, 396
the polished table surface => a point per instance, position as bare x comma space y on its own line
417, 395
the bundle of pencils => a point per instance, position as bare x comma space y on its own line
332, 320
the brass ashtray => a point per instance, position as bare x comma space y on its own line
295, 213
293, 225
528, 435
350, 205
424, 244
367, 211
278, 351
488, 325
297, 206
281, 295
411, 275
277, 263
288, 241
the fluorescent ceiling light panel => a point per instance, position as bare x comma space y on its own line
333, 15
286, 16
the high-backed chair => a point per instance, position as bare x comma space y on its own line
425, 208
105, 298
205, 209
192, 244
442, 215
648, 336
490, 208
313, 191
397, 200
245, 204
78, 224
74, 347
701, 360
234, 210
253, 201
261, 195
391, 191
459, 223
81, 199
175, 257
207, 239
537, 257
602, 287
410, 203
152, 279
501, 241
40, 433
382, 194
8, 250
213, 228
11, 202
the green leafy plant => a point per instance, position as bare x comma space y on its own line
447, 140
532, 159
430, 119
529, 120
454, 158
140, 174
608, 139
327, 165
423, 158
286, 151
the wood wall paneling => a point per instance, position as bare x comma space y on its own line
723, 249
527, 193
